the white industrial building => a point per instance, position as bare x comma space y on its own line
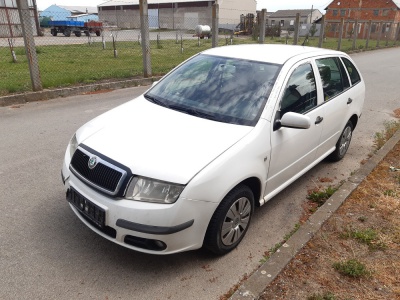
174, 14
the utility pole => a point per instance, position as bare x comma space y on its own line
30, 48
145, 34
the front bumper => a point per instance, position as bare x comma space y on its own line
142, 226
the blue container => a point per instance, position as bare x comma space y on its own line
67, 23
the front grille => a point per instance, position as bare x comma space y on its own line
104, 176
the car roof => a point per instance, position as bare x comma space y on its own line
270, 53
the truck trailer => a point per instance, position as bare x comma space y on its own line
76, 27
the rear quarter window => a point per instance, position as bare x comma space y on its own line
351, 69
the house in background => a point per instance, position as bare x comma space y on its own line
174, 14
382, 13
287, 18
73, 13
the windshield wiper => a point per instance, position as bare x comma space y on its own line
193, 112
155, 100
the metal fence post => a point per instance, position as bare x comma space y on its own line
379, 34
355, 35
368, 34
30, 48
340, 34
144, 29
262, 25
397, 37
321, 32
388, 34
215, 23
296, 29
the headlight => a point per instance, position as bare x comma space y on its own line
151, 190
73, 144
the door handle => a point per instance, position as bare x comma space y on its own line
319, 120
349, 100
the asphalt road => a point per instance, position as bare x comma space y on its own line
46, 252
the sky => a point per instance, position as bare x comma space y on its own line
270, 5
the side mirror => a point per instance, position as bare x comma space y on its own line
295, 120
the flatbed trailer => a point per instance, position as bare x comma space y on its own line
76, 27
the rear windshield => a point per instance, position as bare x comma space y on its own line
217, 88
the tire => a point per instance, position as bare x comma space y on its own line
343, 143
67, 32
230, 221
53, 32
78, 33
98, 32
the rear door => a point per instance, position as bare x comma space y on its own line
337, 99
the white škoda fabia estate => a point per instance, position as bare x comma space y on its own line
184, 165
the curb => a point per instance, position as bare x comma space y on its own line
253, 286
72, 91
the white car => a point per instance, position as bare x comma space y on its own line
184, 165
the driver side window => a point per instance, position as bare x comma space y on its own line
300, 94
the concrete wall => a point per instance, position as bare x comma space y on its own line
176, 16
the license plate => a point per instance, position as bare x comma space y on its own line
90, 210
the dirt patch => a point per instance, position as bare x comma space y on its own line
363, 238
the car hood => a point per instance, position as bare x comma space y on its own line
157, 142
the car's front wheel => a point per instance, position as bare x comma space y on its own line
343, 143
230, 220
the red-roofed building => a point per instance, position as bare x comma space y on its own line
385, 11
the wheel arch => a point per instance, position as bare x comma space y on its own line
254, 184
354, 120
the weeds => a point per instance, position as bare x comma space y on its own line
367, 236
320, 197
352, 268
382, 137
325, 296
274, 249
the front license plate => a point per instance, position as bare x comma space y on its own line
90, 210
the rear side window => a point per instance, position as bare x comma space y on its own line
334, 79
300, 94
351, 69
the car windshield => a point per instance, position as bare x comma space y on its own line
217, 88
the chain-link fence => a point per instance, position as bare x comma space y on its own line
79, 52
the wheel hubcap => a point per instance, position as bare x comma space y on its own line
236, 221
345, 140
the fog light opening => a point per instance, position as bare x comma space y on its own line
143, 243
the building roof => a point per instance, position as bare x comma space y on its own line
288, 13
136, 2
397, 2
80, 9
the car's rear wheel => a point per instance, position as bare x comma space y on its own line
343, 143
230, 221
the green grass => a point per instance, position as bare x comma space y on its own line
352, 268
367, 236
66, 65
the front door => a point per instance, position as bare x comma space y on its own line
294, 150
